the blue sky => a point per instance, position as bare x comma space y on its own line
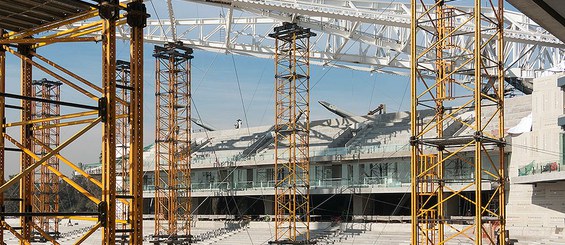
215, 91
215, 88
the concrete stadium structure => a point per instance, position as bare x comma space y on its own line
361, 165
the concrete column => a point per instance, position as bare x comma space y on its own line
451, 206
356, 171
195, 207
269, 203
214, 205
362, 205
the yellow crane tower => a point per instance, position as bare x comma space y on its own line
46, 183
453, 83
172, 144
292, 129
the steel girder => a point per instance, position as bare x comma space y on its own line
361, 35
292, 130
478, 106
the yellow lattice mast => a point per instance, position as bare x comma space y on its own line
46, 183
292, 129
457, 116
123, 137
2, 127
172, 144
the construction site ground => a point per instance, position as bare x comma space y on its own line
258, 233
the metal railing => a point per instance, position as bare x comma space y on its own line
314, 152
320, 183
365, 182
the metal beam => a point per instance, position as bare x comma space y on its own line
172, 138
377, 34
137, 15
2, 128
46, 183
292, 129
109, 12
26, 187
433, 147
109, 15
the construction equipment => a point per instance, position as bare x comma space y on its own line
292, 160
172, 138
479, 143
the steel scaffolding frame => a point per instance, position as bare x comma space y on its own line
172, 144
2, 128
123, 91
46, 183
292, 130
31, 37
477, 105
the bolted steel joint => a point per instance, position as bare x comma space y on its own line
109, 9
501, 143
102, 206
103, 108
137, 14
478, 136
440, 109
413, 140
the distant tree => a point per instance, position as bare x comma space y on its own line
11, 195
72, 200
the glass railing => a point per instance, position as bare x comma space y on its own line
325, 183
378, 182
460, 177
226, 160
245, 185
541, 167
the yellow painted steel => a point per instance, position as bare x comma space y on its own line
73, 75
292, 129
26, 185
31, 167
450, 167
72, 165
87, 218
88, 233
48, 40
71, 123
46, 183
43, 161
414, 219
502, 166
172, 145
105, 96
54, 118
122, 152
79, 33
2, 127
136, 129
15, 233
44, 234
53, 25
53, 74
64, 124
79, 29
109, 132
